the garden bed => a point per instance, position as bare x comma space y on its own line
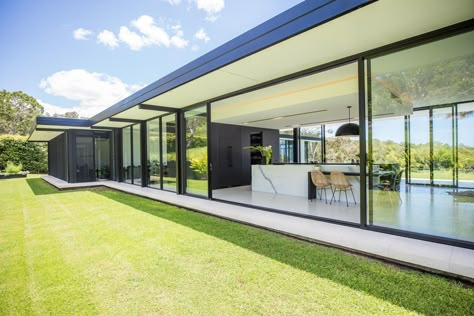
12, 175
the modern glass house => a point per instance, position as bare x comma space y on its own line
401, 71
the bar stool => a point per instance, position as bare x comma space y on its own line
320, 181
339, 182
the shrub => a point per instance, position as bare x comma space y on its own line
12, 168
16, 149
199, 166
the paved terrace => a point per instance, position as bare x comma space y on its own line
438, 258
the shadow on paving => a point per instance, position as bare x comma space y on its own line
41, 187
415, 291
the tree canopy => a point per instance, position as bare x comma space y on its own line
18, 111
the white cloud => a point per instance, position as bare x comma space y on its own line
211, 7
132, 39
150, 34
82, 34
173, 2
108, 38
201, 35
94, 91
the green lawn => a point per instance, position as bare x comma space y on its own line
105, 252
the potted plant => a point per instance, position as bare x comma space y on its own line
265, 151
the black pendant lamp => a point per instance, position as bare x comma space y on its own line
348, 129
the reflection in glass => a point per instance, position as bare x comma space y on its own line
126, 155
420, 147
423, 86
443, 150
102, 157
153, 153
137, 168
465, 159
169, 152
196, 151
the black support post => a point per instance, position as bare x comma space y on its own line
362, 143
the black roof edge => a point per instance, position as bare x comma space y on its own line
287, 24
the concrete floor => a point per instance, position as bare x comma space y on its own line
416, 208
441, 258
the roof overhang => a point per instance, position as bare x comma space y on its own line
47, 128
308, 35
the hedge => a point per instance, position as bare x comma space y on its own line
16, 149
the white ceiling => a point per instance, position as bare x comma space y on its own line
322, 97
380, 23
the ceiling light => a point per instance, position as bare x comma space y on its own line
348, 129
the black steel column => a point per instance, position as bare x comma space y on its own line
160, 133
180, 152
323, 143
144, 153
296, 145
209, 151
362, 143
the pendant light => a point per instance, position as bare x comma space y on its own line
348, 129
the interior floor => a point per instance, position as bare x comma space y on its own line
416, 208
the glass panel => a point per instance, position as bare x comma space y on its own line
466, 145
153, 154
340, 149
137, 166
310, 144
196, 151
267, 117
84, 159
102, 157
414, 83
126, 155
420, 147
443, 150
286, 145
169, 152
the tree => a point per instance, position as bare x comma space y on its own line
71, 114
17, 112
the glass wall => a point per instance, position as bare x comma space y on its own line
286, 145
85, 171
310, 144
196, 151
264, 121
102, 157
465, 145
420, 105
153, 153
137, 161
127, 154
170, 165
340, 149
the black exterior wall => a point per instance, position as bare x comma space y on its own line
57, 157
230, 161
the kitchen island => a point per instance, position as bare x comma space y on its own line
292, 179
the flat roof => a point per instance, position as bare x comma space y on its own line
308, 35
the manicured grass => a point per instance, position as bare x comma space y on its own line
105, 252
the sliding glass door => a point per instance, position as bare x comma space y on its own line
153, 154
419, 147
196, 151
168, 152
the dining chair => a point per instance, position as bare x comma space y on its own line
320, 181
340, 183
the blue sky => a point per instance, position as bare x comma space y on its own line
86, 55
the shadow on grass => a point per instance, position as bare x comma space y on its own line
41, 187
415, 291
